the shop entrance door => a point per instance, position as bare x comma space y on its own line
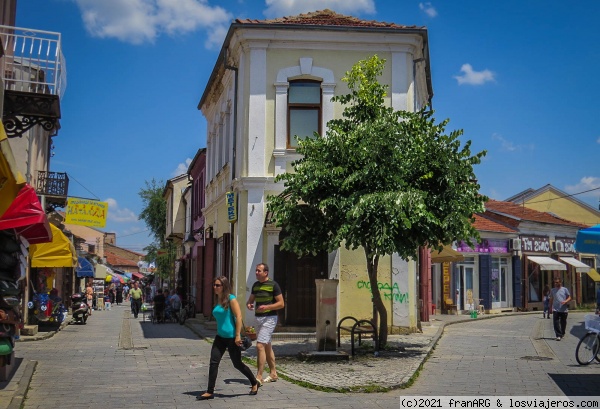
464, 287
499, 282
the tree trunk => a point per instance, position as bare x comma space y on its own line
372, 264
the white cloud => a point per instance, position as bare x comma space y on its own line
119, 215
182, 168
280, 8
509, 146
141, 21
472, 77
586, 183
428, 9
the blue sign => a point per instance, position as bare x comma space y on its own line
231, 207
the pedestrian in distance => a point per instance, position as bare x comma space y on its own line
268, 297
89, 296
119, 298
136, 299
546, 299
559, 299
228, 314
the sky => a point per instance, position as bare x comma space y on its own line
520, 78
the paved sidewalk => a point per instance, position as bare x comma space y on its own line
395, 367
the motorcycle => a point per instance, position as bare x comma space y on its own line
80, 311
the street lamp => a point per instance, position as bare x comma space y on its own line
191, 241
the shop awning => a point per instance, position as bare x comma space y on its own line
102, 271
579, 266
58, 253
594, 275
447, 255
11, 180
84, 268
27, 218
137, 276
547, 263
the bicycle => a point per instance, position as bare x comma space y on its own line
589, 346
187, 311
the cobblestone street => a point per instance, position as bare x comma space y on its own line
116, 360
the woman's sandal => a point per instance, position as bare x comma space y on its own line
205, 396
269, 379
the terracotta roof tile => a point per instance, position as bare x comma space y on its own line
524, 213
482, 223
325, 18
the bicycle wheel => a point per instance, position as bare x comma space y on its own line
587, 348
183, 315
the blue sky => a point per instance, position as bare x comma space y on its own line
519, 77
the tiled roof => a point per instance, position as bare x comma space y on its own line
326, 18
523, 213
482, 223
115, 260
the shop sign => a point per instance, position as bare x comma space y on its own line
485, 246
535, 244
85, 212
231, 208
446, 280
564, 245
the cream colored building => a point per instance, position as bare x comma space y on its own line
276, 75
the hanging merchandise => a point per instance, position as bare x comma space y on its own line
9, 256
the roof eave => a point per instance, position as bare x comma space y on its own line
421, 31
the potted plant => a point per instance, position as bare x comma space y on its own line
250, 333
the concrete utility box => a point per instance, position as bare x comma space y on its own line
326, 314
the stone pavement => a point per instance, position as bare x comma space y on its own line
117, 360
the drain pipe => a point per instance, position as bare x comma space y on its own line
234, 153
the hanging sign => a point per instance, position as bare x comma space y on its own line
231, 207
86, 212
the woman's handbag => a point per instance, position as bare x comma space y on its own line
246, 342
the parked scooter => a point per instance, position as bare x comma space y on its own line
79, 308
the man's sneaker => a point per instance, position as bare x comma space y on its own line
558, 338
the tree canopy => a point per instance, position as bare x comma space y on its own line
154, 214
383, 180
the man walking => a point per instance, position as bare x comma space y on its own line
559, 300
136, 299
267, 295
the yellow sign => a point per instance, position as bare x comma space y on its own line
231, 207
86, 212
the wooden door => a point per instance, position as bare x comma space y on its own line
296, 277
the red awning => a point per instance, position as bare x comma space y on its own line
26, 216
137, 275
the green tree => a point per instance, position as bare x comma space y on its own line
383, 180
154, 214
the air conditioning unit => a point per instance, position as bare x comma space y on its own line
515, 244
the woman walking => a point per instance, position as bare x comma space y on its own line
228, 314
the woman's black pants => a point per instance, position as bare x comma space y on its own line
216, 353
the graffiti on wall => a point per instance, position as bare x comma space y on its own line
388, 292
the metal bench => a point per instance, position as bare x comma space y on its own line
358, 327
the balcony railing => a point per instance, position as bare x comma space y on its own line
33, 61
53, 184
